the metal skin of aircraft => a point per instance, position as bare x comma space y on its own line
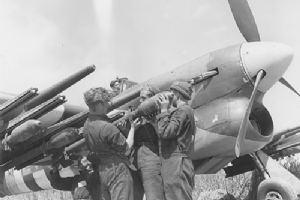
233, 126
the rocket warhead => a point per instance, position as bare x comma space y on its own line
22, 133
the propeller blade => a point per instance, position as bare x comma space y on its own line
288, 85
243, 127
244, 19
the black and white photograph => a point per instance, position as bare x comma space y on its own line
149, 100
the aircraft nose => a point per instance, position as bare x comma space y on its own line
273, 58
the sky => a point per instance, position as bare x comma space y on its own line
43, 41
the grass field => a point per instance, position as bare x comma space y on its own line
204, 185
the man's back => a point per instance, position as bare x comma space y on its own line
103, 138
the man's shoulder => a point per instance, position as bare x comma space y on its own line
110, 128
145, 125
109, 125
184, 108
95, 122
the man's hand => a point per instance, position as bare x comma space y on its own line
164, 103
136, 123
122, 123
86, 163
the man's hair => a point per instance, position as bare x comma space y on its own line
96, 95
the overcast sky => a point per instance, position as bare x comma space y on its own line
42, 41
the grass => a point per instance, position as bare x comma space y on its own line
238, 186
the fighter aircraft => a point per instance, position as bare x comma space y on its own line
233, 126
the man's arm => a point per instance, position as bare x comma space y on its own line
116, 139
133, 126
169, 125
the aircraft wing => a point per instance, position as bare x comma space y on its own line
284, 143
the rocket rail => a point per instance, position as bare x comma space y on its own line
34, 113
17, 101
59, 87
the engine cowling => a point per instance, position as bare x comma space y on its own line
218, 124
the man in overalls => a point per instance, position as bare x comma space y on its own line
176, 129
110, 147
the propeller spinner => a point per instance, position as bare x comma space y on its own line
246, 23
274, 57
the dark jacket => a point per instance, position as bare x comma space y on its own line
176, 130
104, 139
64, 183
146, 135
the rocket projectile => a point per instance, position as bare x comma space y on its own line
23, 132
124, 97
50, 134
59, 87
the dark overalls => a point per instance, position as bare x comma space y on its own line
176, 131
108, 143
64, 183
148, 161
71, 184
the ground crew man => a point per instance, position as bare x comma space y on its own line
81, 185
176, 129
110, 147
147, 154
88, 188
115, 85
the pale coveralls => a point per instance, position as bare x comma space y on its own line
176, 131
110, 146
